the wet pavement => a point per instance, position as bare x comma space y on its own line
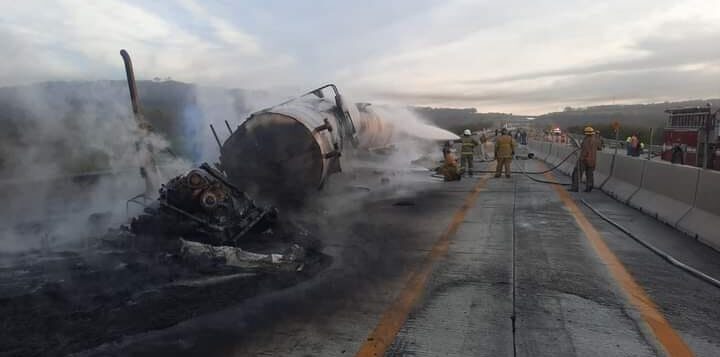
480, 267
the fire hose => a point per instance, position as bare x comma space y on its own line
670, 259
528, 174
667, 257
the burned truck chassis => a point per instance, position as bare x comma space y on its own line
201, 209
201, 205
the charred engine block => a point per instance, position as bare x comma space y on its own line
201, 205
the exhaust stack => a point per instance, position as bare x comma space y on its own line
148, 167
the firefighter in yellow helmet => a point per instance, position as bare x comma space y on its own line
586, 163
468, 151
504, 152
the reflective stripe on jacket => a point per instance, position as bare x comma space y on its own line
468, 145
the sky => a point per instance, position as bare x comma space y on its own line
522, 57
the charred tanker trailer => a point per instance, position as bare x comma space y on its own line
290, 149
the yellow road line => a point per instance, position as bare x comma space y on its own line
649, 311
395, 316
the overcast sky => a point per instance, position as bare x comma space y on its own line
528, 56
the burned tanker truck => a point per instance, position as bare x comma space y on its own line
290, 149
210, 217
279, 155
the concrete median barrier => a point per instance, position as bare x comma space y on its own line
603, 168
667, 191
571, 162
625, 179
536, 147
552, 154
540, 150
533, 146
703, 220
567, 166
544, 151
555, 154
548, 150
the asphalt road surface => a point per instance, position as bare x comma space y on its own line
481, 267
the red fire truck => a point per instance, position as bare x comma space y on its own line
692, 137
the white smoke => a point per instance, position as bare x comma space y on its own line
393, 170
214, 106
61, 130
58, 130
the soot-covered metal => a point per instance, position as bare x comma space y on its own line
289, 150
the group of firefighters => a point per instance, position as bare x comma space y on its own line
504, 148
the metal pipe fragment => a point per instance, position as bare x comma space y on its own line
217, 140
148, 167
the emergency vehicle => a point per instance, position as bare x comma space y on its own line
692, 137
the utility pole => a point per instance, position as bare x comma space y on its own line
708, 128
616, 128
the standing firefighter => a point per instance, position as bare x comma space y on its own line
504, 152
586, 163
468, 151
483, 148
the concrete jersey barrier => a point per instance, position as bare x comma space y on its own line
546, 148
626, 177
667, 191
569, 164
556, 154
603, 168
703, 220
685, 197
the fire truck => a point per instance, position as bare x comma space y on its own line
692, 137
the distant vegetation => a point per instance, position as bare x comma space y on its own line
457, 120
637, 118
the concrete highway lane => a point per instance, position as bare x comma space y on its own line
480, 267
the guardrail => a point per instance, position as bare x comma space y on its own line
685, 197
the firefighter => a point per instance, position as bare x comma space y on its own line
488, 147
586, 163
504, 152
467, 152
450, 169
483, 147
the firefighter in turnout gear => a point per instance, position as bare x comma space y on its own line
468, 151
586, 163
504, 152
450, 169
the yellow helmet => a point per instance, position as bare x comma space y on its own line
589, 130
